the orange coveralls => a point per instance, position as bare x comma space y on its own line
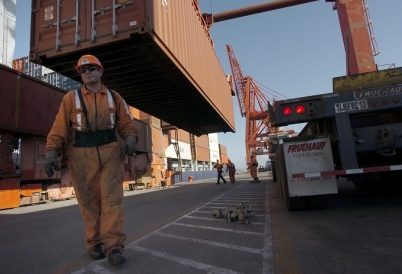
97, 171
231, 169
253, 165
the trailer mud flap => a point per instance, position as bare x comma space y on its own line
309, 154
305, 154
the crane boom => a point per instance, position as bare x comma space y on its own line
238, 79
252, 103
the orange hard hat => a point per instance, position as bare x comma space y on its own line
87, 59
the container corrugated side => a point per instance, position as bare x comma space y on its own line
202, 154
28, 105
223, 149
177, 30
202, 141
183, 136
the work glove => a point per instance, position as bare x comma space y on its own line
130, 146
51, 162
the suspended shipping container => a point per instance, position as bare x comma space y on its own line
157, 54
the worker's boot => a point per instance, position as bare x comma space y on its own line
96, 252
116, 257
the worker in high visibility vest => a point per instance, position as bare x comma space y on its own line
95, 114
219, 169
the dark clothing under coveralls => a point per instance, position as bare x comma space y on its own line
219, 168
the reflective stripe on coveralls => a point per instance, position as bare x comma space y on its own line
90, 138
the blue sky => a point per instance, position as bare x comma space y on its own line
294, 51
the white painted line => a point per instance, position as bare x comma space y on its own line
94, 267
209, 212
201, 266
217, 219
267, 249
243, 200
212, 203
101, 270
205, 242
220, 229
216, 207
244, 195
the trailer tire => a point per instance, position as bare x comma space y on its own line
366, 185
273, 170
296, 203
292, 203
318, 201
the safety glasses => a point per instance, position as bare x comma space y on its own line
84, 69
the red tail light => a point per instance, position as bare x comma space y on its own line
287, 111
300, 109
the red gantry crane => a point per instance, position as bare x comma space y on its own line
253, 106
360, 47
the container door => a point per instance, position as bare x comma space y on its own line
110, 18
56, 23
65, 26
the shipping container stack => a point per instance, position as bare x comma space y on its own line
44, 74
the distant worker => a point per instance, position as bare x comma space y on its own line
219, 168
231, 169
253, 166
95, 114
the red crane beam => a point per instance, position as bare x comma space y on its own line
356, 36
250, 10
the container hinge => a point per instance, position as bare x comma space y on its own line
50, 25
93, 35
77, 39
68, 20
115, 28
95, 12
123, 5
101, 10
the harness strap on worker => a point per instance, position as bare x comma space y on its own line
91, 138
84, 109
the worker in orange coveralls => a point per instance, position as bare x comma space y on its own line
252, 166
231, 169
95, 114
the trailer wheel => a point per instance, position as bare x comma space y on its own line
292, 203
366, 185
273, 170
318, 201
